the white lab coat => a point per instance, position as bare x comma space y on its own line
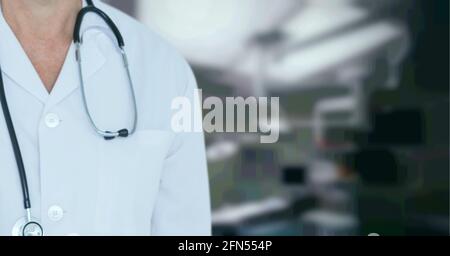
153, 183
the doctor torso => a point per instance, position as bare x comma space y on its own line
154, 182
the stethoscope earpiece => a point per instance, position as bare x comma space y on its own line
124, 133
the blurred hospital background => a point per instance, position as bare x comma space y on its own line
363, 87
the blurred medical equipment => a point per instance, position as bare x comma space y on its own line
272, 216
330, 62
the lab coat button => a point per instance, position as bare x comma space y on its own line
55, 213
52, 120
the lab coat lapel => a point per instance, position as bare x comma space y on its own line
68, 80
16, 65
92, 59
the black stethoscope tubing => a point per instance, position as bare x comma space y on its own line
15, 145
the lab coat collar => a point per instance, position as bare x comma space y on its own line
17, 66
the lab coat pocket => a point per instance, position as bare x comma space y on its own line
129, 180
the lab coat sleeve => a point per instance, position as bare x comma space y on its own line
183, 202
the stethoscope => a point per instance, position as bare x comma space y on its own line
28, 226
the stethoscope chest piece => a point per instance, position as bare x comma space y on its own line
23, 227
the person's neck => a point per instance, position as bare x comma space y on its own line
41, 19
44, 29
